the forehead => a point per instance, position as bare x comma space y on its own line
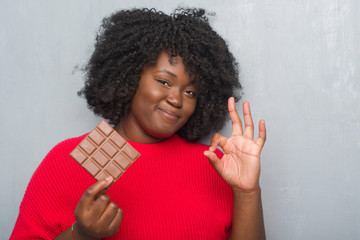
172, 66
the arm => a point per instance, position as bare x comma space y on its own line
240, 168
47, 208
247, 220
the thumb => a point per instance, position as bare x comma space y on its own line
93, 192
214, 160
105, 185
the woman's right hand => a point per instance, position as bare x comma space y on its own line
96, 216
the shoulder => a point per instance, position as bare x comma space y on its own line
67, 145
57, 172
57, 163
54, 188
59, 154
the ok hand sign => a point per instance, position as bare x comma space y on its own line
240, 164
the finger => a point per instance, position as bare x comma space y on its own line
217, 140
99, 205
249, 126
234, 116
115, 224
262, 134
93, 191
109, 214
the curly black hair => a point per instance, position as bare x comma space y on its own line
129, 39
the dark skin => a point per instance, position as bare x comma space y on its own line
240, 168
96, 216
164, 101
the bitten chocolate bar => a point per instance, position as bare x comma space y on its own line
103, 152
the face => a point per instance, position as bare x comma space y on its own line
164, 102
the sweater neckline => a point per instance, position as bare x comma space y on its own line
170, 142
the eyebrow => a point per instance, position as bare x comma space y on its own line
192, 81
166, 71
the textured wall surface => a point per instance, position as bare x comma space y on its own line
300, 68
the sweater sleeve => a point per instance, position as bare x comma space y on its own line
47, 208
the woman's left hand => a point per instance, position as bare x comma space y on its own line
240, 164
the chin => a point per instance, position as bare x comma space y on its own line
162, 134
163, 131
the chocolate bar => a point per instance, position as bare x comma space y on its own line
103, 152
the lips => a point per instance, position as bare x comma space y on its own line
168, 114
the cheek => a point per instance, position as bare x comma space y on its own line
191, 108
151, 94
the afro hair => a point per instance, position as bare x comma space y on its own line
129, 39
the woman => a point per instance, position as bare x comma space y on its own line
163, 82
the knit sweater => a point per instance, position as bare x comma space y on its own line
170, 192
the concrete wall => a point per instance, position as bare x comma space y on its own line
300, 63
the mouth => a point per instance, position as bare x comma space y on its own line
169, 115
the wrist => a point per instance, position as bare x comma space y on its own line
79, 234
246, 194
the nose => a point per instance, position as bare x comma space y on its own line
174, 98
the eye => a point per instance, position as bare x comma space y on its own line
163, 82
191, 93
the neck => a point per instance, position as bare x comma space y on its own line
130, 131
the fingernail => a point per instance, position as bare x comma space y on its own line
108, 179
211, 149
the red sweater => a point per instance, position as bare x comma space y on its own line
170, 192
